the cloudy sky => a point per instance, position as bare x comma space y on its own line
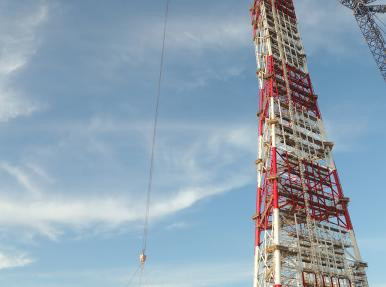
77, 87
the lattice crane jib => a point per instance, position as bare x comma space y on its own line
366, 14
304, 234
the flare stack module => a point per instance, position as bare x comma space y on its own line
304, 234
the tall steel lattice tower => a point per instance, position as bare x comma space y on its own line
304, 235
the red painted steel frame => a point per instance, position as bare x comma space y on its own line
281, 186
297, 175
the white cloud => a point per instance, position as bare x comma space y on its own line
192, 39
20, 176
204, 32
202, 167
14, 105
325, 27
18, 39
189, 196
192, 33
12, 261
18, 42
49, 216
39, 171
189, 40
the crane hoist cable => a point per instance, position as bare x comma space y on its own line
142, 256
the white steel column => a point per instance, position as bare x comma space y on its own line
276, 217
259, 175
256, 265
261, 48
357, 253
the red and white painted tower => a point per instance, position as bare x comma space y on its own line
304, 235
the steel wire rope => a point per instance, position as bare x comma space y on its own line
153, 148
132, 277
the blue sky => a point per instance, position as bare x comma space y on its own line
77, 87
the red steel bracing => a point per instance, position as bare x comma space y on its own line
284, 6
266, 200
255, 14
274, 178
269, 89
344, 203
302, 92
297, 175
258, 226
309, 279
326, 198
287, 7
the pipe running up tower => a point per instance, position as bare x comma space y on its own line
304, 235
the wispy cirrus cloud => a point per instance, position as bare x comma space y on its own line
19, 42
20, 176
19, 38
200, 168
327, 27
51, 217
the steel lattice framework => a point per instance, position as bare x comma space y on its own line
304, 235
364, 14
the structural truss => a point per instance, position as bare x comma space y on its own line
304, 235
365, 13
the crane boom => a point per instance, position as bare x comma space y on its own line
365, 15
